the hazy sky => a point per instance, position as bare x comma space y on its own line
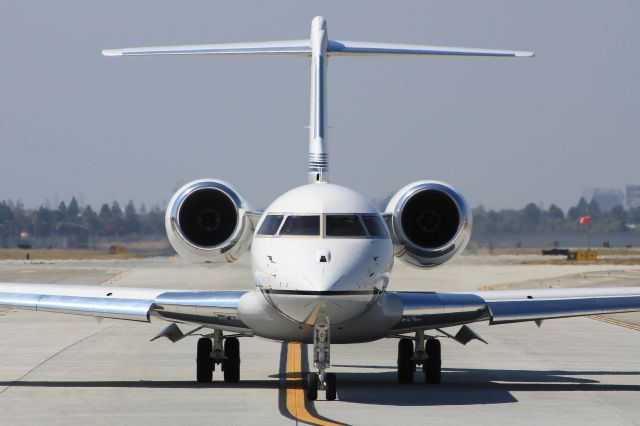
504, 132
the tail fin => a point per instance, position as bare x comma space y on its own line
318, 47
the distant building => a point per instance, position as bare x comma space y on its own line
607, 198
632, 193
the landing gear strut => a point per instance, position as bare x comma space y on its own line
321, 360
428, 354
211, 351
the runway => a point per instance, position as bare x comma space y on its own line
59, 369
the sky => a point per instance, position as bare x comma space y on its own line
504, 132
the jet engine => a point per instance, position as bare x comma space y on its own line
430, 222
207, 224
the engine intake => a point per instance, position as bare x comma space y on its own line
206, 222
430, 223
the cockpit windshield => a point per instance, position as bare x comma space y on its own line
270, 224
374, 226
344, 225
329, 225
301, 225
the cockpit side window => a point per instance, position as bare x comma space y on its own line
374, 226
270, 224
301, 225
344, 225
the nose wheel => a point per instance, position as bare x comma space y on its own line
321, 360
330, 386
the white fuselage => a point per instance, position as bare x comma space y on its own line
338, 270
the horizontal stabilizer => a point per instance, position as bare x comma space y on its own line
303, 47
289, 47
351, 48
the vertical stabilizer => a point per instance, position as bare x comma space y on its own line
318, 156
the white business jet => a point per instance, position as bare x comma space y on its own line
321, 254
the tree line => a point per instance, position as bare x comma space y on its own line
110, 220
533, 219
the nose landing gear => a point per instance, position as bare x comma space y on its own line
321, 360
212, 351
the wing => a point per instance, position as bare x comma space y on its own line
207, 308
423, 310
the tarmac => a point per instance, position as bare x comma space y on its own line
61, 369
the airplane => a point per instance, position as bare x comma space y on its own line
321, 254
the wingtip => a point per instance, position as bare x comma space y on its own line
111, 52
525, 54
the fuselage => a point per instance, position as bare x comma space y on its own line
321, 249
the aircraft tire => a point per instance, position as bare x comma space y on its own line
331, 385
231, 363
312, 386
204, 363
406, 366
433, 364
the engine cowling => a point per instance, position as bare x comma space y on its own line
430, 223
207, 224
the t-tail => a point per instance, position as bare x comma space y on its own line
319, 47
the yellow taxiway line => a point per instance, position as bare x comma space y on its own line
617, 322
295, 390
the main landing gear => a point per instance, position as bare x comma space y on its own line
212, 351
321, 360
428, 354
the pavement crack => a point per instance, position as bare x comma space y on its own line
53, 356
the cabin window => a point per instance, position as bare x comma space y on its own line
270, 224
301, 225
375, 227
344, 225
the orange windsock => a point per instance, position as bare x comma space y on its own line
585, 220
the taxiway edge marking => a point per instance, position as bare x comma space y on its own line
624, 324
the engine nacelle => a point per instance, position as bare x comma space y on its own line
206, 223
430, 223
